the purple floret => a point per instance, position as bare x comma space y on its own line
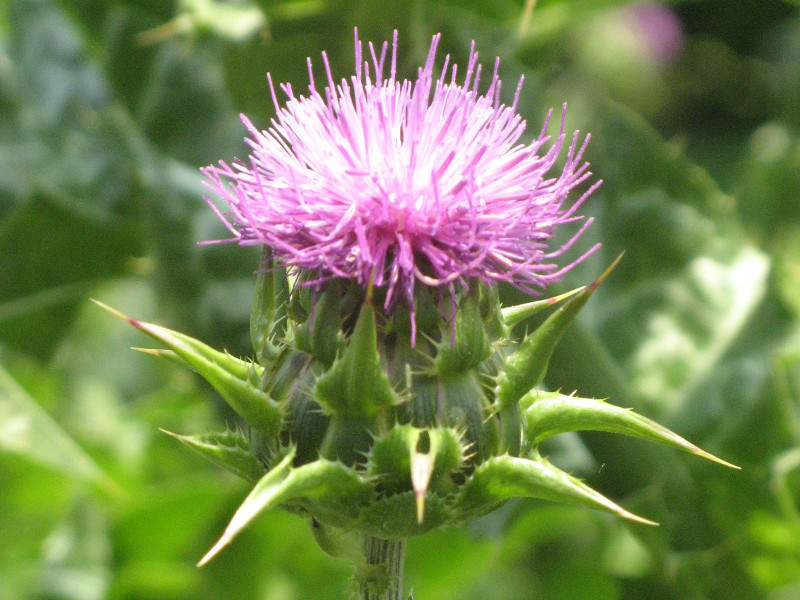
404, 182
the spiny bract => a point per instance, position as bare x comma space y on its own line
359, 431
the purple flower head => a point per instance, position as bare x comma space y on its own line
404, 182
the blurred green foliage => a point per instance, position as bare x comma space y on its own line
108, 108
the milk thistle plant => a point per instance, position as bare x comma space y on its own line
388, 396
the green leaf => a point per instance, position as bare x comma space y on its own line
52, 253
339, 543
526, 367
459, 401
227, 375
512, 315
549, 414
78, 556
28, 431
267, 318
389, 459
243, 369
320, 334
356, 385
234, 22
229, 450
468, 344
635, 157
707, 307
504, 477
329, 484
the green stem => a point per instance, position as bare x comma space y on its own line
390, 555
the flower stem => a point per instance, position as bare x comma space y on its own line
391, 554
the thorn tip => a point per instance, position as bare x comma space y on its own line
223, 541
420, 500
596, 283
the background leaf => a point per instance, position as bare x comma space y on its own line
28, 431
107, 110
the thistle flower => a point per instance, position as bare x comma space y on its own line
388, 209
400, 183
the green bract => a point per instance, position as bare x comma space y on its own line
351, 426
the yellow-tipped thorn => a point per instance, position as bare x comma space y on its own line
565, 295
420, 500
368, 294
596, 283
162, 353
707, 455
421, 471
632, 517
152, 351
120, 315
223, 541
617, 509
113, 311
